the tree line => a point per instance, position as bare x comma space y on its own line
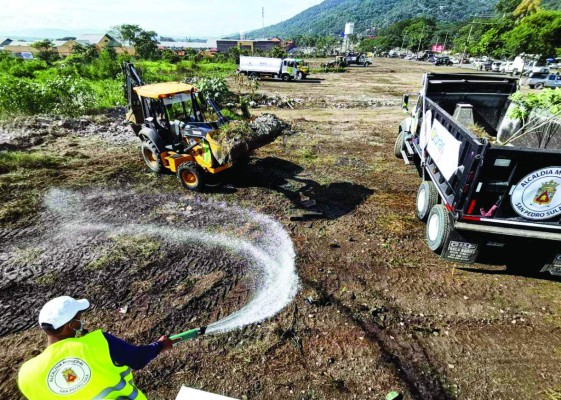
518, 26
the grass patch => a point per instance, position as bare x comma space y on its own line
47, 279
136, 251
25, 256
23, 179
13, 160
552, 394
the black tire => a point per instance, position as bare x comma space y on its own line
366, 64
538, 86
286, 77
191, 176
427, 198
300, 76
152, 156
399, 145
439, 227
254, 75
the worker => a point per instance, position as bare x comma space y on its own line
81, 365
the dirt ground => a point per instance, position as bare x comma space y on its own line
377, 310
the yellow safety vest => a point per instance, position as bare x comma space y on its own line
77, 369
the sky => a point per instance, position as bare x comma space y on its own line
182, 18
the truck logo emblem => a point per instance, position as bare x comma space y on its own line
545, 194
535, 197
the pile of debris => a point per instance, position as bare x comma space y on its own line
26, 132
239, 138
276, 100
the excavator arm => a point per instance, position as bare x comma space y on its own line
137, 109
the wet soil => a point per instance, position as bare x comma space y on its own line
377, 310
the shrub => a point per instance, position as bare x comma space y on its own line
214, 88
62, 95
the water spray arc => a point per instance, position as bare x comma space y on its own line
269, 254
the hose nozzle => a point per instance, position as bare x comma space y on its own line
188, 335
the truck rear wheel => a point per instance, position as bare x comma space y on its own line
286, 77
439, 227
399, 144
427, 198
254, 75
190, 176
300, 76
151, 156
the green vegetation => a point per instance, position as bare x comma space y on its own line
23, 177
520, 26
14, 160
89, 80
548, 100
329, 17
135, 251
75, 86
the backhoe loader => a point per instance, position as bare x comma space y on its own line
176, 125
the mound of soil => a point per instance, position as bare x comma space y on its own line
25, 132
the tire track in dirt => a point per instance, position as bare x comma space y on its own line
107, 245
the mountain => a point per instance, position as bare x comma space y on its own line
329, 17
45, 33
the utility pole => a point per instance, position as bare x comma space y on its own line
445, 40
421, 39
470, 31
403, 41
466, 46
263, 18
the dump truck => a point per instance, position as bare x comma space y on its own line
278, 68
482, 202
180, 129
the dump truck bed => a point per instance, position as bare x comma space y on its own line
503, 197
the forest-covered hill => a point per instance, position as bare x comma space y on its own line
329, 17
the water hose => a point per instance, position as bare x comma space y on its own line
188, 335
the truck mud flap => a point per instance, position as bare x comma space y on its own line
459, 249
554, 267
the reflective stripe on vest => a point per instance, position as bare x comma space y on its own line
119, 386
77, 369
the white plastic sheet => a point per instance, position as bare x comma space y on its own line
444, 149
193, 394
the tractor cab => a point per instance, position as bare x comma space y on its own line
177, 111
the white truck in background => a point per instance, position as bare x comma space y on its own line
278, 68
520, 65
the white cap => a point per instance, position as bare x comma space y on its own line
61, 310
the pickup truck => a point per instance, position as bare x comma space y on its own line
544, 80
482, 202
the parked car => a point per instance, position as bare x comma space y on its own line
542, 80
444, 60
483, 65
496, 66
506, 67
